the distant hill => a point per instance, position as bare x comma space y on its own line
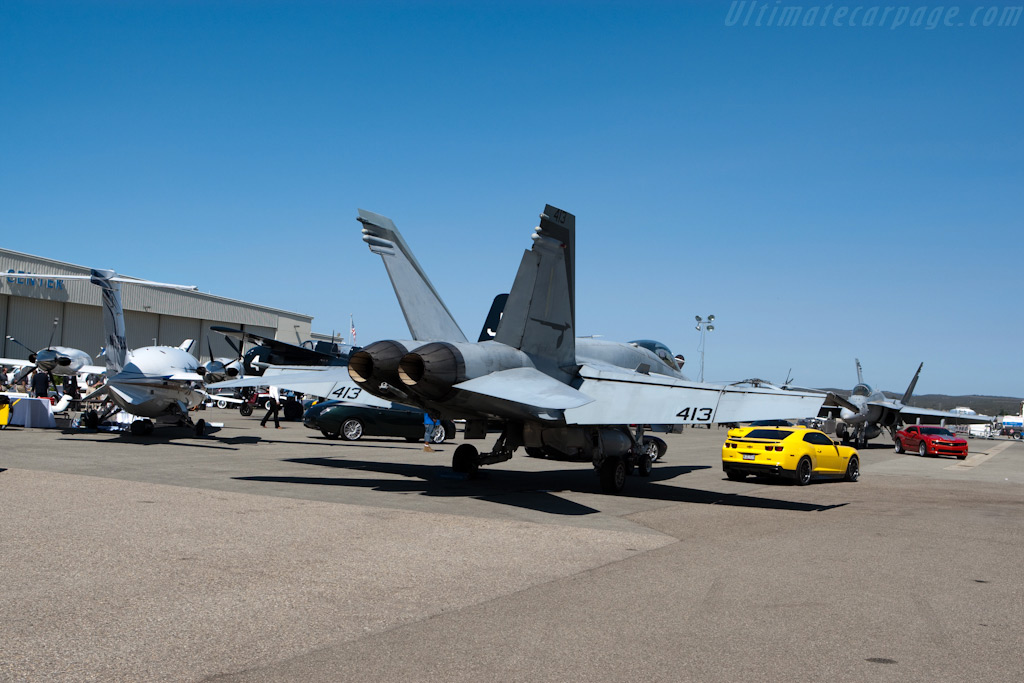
986, 405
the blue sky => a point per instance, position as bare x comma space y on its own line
827, 192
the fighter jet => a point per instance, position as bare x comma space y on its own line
551, 390
153, 383
867, 412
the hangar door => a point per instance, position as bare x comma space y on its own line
30, 321
175, 329
141, 328
83, 328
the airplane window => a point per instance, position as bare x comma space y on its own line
659, 350
862, 390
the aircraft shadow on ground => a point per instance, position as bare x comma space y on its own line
167, 436
530, 490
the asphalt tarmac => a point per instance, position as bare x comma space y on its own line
256, 554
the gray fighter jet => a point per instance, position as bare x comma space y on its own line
551, 391
867, 412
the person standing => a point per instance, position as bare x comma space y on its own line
429, 424
273, 407
41, 384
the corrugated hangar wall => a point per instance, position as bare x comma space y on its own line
28, 307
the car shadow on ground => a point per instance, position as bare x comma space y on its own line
532, 490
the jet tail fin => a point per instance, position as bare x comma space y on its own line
493, 318
913, 383
540, 314
860, 375
187, 344
113, 318
425, 313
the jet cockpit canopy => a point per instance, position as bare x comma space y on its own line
660, 350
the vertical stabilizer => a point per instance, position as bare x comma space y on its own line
113, 319
540, 314
493, 318
913, 383
425, 313
860, 375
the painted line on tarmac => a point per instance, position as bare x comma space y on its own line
978, 458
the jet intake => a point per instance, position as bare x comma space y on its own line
433, 370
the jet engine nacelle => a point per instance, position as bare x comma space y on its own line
377, 363
872, 431
432, 370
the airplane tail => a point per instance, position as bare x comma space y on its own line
860, 375
113, 318
540, 314
425, 313
493, 318
913, 383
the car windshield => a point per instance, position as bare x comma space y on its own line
936, 431
773, 434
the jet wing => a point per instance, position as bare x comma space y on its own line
527, 386
622, 397
92, 370
332, 382
910, 415
16, 362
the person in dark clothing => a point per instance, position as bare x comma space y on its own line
41, 384
71, 387
273, 408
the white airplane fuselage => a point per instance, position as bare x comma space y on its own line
145, 388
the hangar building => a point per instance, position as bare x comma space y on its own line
28, 307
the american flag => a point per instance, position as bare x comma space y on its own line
352, 330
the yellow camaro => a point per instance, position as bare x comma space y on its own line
793, 452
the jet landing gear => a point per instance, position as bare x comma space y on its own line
142, 428
467, 460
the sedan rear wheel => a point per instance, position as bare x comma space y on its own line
351, 429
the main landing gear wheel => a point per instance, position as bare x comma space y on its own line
465, 460
351, 429
92, 420
201, 428
803, 472
853, 469
245, 409
897, 446
138, 428
645, 465
613, 475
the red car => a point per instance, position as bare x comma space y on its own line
930, 441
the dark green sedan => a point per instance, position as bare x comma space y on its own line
335, 419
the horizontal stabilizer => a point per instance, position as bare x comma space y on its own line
333, 382
527, 386
624, 397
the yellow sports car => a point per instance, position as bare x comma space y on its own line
796, 453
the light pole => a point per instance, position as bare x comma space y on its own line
704, 326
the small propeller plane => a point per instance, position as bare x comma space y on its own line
59, 361
153, 383
867, 412
551, 391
